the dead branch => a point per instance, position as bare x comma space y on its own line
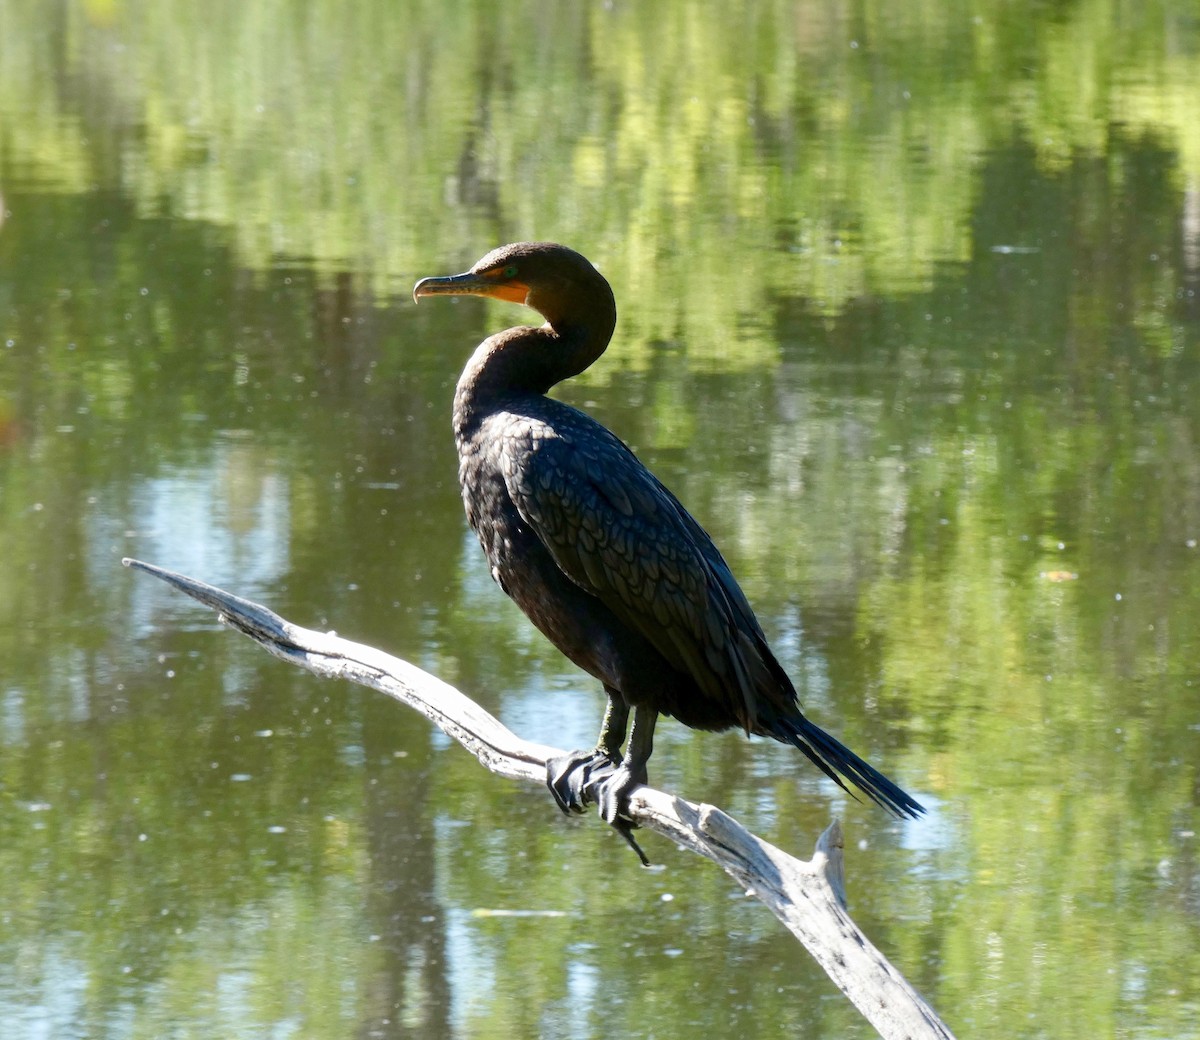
808, 897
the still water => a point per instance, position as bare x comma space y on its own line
908, 318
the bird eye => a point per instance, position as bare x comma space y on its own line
510, 271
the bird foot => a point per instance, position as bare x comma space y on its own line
625, 828
571, 777
612, 796
613, 790
581, 777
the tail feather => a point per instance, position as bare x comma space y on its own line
832, 757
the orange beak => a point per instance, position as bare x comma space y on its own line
471, 284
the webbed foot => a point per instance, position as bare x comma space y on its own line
570, 776
613, 791
612, 796
578, 778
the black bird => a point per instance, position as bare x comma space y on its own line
601, 556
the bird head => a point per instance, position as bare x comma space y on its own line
555, 281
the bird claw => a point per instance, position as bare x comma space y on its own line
578, 779
613, 790
625, 828
572, 777
612, 796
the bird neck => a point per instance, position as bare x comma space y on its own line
526, 361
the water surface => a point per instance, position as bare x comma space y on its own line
908, 318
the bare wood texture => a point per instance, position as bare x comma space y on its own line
808, 897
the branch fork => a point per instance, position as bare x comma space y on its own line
807, 897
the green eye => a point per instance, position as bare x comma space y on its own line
510, 271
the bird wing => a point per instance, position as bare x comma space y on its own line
621, 536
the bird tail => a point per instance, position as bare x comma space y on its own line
832, 757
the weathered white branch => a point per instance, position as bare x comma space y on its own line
808, 897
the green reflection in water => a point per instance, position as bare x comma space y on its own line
909, 320
834, 152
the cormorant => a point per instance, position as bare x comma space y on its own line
600, 556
